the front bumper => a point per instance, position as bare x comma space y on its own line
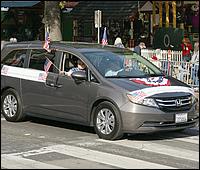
143, 119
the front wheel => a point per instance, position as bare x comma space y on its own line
107, 121
11, 106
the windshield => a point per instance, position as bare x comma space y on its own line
121, 64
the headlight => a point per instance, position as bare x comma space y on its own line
145, 101
149, 102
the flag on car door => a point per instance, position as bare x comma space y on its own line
47, 65
104, 39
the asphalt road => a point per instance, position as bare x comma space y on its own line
42, 144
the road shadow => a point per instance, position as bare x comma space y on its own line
59, 124
163, 135
190, 132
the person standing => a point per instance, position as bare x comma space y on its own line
139, 47
118, 42
195, 55
186, 47
195, 64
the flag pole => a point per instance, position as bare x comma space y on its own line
98, 35
53, 64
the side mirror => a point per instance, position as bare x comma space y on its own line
79, 75
52, 80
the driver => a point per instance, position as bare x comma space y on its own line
113, 68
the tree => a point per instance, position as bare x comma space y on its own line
52, 19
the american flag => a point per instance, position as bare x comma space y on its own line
42, 76
47, 42
47, 65
104, 39
138, 95
152, 81
4, 70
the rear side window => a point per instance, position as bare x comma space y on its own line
15, 58
38, 58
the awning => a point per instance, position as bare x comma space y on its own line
115, 9
11, 4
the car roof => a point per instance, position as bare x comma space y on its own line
78, 46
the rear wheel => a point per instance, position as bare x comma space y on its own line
107, 121
11, 106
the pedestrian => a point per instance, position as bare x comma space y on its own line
194, 63
195, 54
118, 42
186, 47
13, 39
139, 47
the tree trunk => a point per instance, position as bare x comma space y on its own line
52, 20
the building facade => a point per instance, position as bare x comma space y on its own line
131, 20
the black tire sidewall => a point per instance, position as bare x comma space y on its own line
19, 114
117, 132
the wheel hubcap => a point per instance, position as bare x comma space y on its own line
105, 121
10, 105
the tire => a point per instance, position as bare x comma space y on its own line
107, 121
11, 106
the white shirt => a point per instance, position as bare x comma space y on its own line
112, 73
195, 57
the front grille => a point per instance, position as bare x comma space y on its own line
174, 103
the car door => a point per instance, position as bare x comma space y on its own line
61, 98
36, 95
70, 98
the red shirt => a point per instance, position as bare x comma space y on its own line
186, 48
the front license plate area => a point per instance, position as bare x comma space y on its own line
181, 117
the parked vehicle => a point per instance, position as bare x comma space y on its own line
120, 91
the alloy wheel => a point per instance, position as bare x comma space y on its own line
105, 121
10, 105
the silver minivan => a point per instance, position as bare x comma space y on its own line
119, 92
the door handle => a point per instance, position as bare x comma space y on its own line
55, 85
58, 85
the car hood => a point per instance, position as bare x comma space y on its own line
132, 84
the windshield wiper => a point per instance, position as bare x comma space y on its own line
122, 76
155, 75
138, 76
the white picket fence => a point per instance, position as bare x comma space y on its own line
171, 63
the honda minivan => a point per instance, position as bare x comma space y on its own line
120, 91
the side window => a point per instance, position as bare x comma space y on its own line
93, 78
38, 58
15, 58
69, 61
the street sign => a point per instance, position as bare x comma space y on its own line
97, 22
97, 18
